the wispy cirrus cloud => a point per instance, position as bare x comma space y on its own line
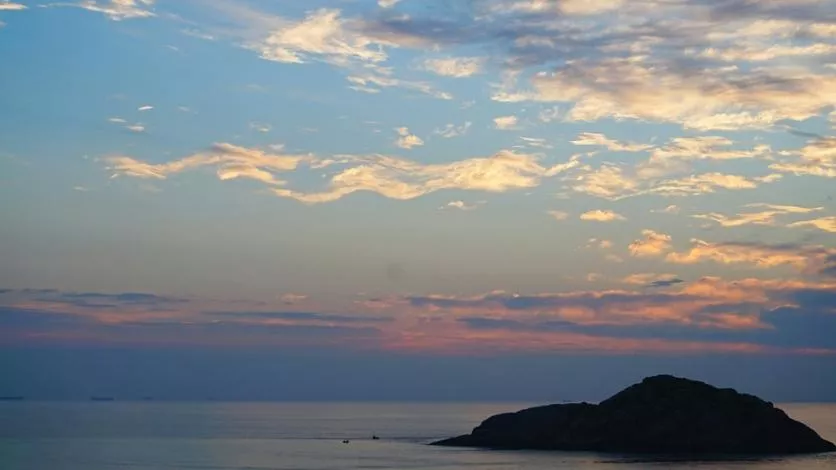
763, 217
811, 259
118, 10
451, 130
455, 67
11, 6
392, 177
827, 224
597, 139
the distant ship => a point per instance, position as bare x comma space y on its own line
101, 398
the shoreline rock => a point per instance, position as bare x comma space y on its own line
660, 415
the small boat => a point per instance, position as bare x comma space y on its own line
375, 438
346, 441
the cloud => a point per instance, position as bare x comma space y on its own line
652, 244
549, 114
602, 244
232, 162
11, 6
366, 81
602, 216
708, 314
559, 215
388, 176
656, 90
137, 128
145, 108
403, 179
324, 35
260, 127
760, 313
451, 130
827, 224
591, 138
291, 298
387, 3
118, 10
673, 156
460, 205
406, 140
805, 258
766, 217
817, 158
652, 280
536, 142
506, 122
456, 67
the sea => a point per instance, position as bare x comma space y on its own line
307, 436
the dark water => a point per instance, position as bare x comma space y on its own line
300, 436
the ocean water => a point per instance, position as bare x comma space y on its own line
303, 436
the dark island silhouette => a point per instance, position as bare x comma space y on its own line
660, 415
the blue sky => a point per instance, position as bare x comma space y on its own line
436, 177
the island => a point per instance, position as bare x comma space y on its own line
660, 415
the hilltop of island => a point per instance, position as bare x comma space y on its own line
661, 415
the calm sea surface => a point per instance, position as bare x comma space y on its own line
300, 436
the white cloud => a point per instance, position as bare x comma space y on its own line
506, 122
145, 108
118, 10
536, 142
460, 205
261, 127
391, 177
611, 182
765, 217
602, 216
387, 3
827, 224
456, 67
117, 120
366, 82
651, 89
805, 258
138, 128
232, 162
323, 35
601, 244
591, 138
817, 158
451, 130
11, 6
403, 179
406, 140
652, 244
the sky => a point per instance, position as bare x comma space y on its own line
457, 199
